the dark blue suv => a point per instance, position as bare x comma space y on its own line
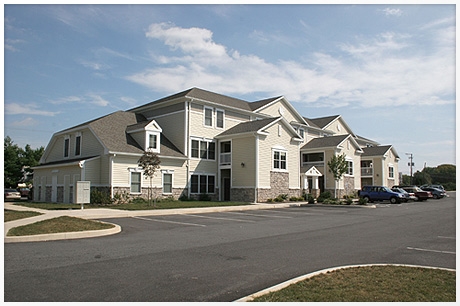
380, 193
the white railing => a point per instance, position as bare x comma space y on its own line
225, 159
367, 171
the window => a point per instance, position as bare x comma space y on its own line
167, 182
66, 147
152, 141
391, 172
203, 149
135, 182
313, 157
219, 118
208, 116
302, 133
279, 160
77, 145
349, 167
202, 183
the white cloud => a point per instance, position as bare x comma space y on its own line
392, 12
24, 123
388, 70
26, 109
90, 98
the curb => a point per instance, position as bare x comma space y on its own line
324, 271
66, 235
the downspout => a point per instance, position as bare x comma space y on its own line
187, 140
111, 174
256, 188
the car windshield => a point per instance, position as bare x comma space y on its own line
417, 189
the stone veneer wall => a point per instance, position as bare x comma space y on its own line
279, 184
242, 194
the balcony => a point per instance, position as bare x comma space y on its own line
367, 171
225, 159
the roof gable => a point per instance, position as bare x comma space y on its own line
379, 151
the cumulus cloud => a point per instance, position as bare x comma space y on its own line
90, 98
392, 12
389, 69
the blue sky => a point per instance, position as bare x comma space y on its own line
389, 70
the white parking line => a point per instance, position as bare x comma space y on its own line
167, 221
427, 250
289, 212
444, 237
207, 217
257, 215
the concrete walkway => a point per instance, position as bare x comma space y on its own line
103, 213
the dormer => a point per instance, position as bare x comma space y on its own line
147, 134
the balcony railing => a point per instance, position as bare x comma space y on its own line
225, 159
367, 171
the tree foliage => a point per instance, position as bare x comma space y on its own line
150, 163
441, 175
338, 166
18, 162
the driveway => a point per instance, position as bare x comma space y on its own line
226, 255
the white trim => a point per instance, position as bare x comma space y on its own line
277, 149
204, 116
131, 171
168, 172
223, 118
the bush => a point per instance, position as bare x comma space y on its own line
362, 201
204, 197
120, 198
324, 196
310, 199
270, 200
184, 197
139, 200
100, 197
331, 201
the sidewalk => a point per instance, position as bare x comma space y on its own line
103, 213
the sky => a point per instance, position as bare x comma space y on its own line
388, 70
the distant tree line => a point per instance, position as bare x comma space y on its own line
18, 163
441, 175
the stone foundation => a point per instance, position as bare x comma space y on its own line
242, 194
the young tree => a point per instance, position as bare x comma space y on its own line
150, 163
337, 166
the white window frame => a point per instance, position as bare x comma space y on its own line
207, 175
201, 142
131, 172
281, 152
205, 108
302, 133
223, 118
391, 171
66, 146
147, 142
163, 173
350, 166
78, 136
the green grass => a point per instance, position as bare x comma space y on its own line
58, 225
371, 284
54, 206
11, 215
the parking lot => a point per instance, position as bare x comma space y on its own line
223, 256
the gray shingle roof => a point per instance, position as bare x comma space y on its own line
376, 151
324, 121
249, 126
258, 104
111, 131
324, 142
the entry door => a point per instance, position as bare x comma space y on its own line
226, 189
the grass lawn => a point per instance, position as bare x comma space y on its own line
371, 284
58, 225
134, 205
11, 215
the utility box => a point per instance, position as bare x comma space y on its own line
82, 192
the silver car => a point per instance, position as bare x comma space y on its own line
12, 194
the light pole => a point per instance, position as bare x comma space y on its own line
411, 164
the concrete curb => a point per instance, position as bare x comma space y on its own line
66, 235
324, 271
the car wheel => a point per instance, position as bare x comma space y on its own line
393, 200
367, 199
435, 196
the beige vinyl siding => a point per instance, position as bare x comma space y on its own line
105, 170
198, 129
174, 129
203, 166
120, 170
156, 112
90, 146
93, 171
266, 144
339, 128
243, 152
273, 110
179, 175
350, 152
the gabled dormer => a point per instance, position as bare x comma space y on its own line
147, 135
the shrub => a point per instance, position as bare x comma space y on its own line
331, 201
120, 198
204, 197
184, 197
362, 201
324, 196
100, 197
310, 199
139, 200
270, 200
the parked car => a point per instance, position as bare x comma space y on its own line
24, 192
380, 193
408, 196
12, 194
419, 193
437, 193
434, 186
